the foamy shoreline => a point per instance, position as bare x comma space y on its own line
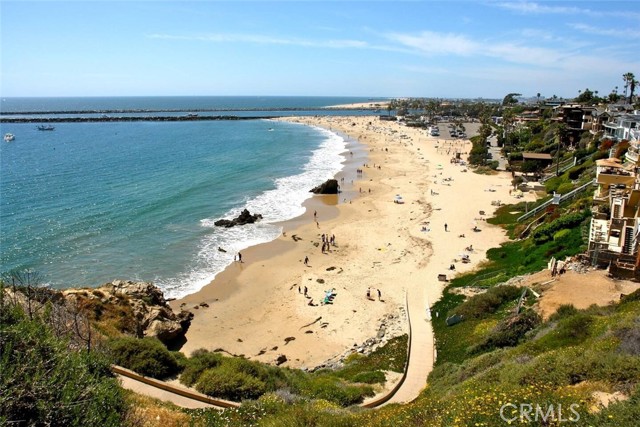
254, 308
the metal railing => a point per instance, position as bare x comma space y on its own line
570, 195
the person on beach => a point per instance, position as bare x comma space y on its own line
299, 291
445, 226
315, 214
368, 293
306, 260
305, 291
379, 295
239, 257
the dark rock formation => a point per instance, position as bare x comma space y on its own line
244, 218
329, 187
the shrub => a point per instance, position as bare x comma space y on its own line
576, 171
371, 377
333, 390
146, 356
564, 188
552, 184
510, 331
575, 327
43, 382
483, 305
199, 361
228, 383
545, 232
560, 234
565, 310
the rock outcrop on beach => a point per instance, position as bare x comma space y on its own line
330, 186
245, 217
152, 316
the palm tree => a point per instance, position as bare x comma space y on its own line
538, 96
629, 80
632, 88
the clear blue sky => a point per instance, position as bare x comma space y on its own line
358, 48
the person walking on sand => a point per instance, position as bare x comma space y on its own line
445, 226
379, 295
306, 260
239, 257
305, 291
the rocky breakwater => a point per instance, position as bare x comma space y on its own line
245, 217
145, 303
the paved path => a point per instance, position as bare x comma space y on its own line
164, 395
421, 357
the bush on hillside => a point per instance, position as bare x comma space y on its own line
44, 382
509, 332
565, 310
483, 305
545, 232
574, 328
564, 188
146, 356
228, 383
200, 361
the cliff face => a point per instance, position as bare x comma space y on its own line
142, 305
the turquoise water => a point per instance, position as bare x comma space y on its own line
92, 202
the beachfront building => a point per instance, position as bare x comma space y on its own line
614, 236
621, 127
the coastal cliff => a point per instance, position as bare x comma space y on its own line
142, 306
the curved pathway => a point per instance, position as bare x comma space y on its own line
421, 353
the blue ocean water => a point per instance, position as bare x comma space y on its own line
92, 202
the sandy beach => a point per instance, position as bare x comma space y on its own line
255, 309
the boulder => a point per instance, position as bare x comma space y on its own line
280, 359
328, 187
245, 217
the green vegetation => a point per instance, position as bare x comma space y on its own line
146, 356
240, 379
45, 382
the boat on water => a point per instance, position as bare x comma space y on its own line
8, 137
45, 127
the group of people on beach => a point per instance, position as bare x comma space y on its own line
327, 242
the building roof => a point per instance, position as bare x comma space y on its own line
611, 162
537, 156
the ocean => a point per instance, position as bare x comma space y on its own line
88, 203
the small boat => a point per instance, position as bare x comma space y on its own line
8, 137
45, 127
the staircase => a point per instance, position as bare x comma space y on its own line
628, 240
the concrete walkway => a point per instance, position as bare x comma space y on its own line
421, 357
164, 395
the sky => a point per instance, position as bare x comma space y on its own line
444, 49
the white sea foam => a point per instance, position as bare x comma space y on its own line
283, 202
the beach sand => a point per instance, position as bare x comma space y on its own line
255, 309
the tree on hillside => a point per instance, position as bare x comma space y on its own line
510, 99
585, 97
